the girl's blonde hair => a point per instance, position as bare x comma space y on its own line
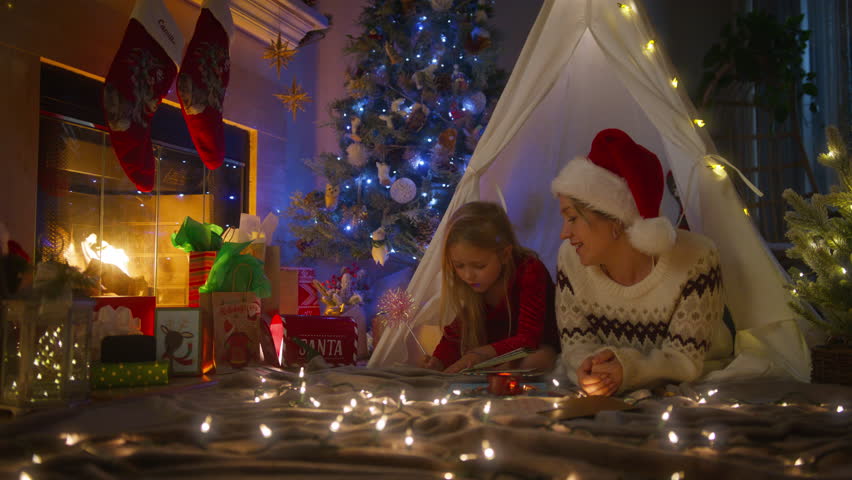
482, 225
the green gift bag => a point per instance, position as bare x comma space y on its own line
133, 374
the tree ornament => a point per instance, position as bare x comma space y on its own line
459, 81
388, 119
393, 56
353, 129
441, 5
476, 103
380, 246
384, 173
477, 40
481, 16
417, 118
403, 190
332, 196
294, 98
396, 106
357, 86
424, 76
356, 155
397, 307
374, 34
279, 54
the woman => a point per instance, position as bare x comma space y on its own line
636, 301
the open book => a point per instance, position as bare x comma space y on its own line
506, 357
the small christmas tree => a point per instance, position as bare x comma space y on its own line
420, 94
821, 232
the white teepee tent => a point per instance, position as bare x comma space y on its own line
588, 65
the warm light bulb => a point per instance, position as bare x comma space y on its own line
205, 426
678, 476
487, 408
699, 122
315, 402
449, 476
719, 170
674, 82
745, 210
302, 369
799, 462
335, 425
353, 403
36, 459
409, 438
556, 383
673, 437
839, 409
650, 46
487, 450
265, 431
25, 476
666, 416
625, 9
302, 388
380, 425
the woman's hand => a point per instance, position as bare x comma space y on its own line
600, 374
432, 363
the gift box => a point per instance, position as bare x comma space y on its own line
335, 338
136, 374
297, 293
200, 264
141, 308
185, 340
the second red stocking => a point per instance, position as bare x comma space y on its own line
138, 79
203, 79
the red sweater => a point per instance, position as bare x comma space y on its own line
531, 299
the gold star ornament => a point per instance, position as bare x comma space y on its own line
294, 98
279, 53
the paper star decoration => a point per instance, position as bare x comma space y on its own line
294, 98
279, 53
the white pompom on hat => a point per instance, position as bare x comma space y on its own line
623, 179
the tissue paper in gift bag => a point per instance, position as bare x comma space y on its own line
335, 338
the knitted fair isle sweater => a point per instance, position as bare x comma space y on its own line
659, 328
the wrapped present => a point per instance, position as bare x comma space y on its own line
297, 293
185, 340
236, 320
136, 374
141, 309
200, 264
335, 338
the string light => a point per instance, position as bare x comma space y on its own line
556, 383
799, 462
625, 9
673, 437
449, 476
667, 414
409, 438
205, 426
487, 450
335, 425
36, 459
719, 170
25, 476
745, 211
650, 46
265, 431
315, 402
402, 397
678, 476
839, 409
699, 122
380, 425
674, 82
487, 408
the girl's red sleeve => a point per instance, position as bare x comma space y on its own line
532, 282
448, 350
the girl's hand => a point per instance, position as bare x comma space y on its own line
602, 374
432, 363
467, 360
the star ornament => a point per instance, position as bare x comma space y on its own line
294, 98
279, 53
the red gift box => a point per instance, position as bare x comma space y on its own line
200, 264
298, 295
142, 308
335, 338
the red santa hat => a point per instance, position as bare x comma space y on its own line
623, 179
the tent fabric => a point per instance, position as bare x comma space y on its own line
585, 67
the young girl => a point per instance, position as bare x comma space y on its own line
637, 302
501, 292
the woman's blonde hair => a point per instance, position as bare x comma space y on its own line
482, 225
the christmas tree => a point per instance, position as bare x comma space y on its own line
418, 98
821, 231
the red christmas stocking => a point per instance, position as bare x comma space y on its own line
138, 79
203, 79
